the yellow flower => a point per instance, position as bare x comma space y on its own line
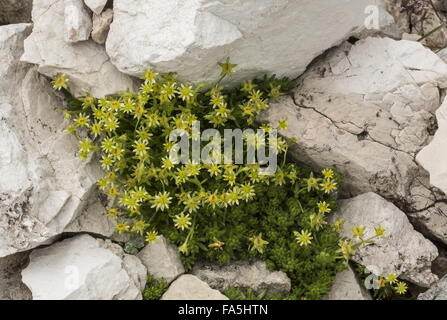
95, 128
283, 125
88, 101
392, 278
214, 170
192, 204
82, 120
213, 199
151, 236
275, 92
122, 227
338, 224
186, 93
106, 162
85, 145
323, 207
227, 67
329, 186
312, 182
317, 221
182, 222
216, 245
161, 201
358, 231
139, 226
150, 76
304, 238
61, 81
380, 231
140, 148
168, 90
107, 145
247, 192
184, 248
102, 183
248, 86
266, 127
401, 287
328, 173
346, 248
167, 163
234, 196
258, 243
230, 177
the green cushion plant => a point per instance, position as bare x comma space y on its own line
217, 212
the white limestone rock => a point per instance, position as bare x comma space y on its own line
101, 26
402, 251
347, 287
83, 268
366, 110
96, 5
77, 22
86, 63
434, 156
189, 287
44, 188
244, 275
261, 36
162, 259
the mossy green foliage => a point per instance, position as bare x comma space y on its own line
218, 212
154, 288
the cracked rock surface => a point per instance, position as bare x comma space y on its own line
44, 187
366, 110
86, 63
261, 36
402, 250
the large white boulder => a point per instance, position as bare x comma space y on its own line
402, 251
44, 188
262, 36
189, 287
86, 63
84, 268
366, 110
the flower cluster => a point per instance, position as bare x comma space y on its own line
218, 211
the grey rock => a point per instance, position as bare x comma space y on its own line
11, 285
402, 251
15, 11
83, 268
189, 287
77, 21
367, 110
96, 5
437, 292
347, 287
162, 259
101, 26
86, 63
244, 275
